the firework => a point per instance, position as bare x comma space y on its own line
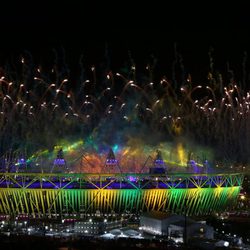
41, 109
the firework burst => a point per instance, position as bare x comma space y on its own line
134, 115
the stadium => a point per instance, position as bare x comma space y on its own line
133, 114
60, 192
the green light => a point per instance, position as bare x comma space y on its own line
199, 201
214, 193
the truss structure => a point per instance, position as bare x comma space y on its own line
48, 194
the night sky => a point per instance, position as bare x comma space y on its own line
143, 29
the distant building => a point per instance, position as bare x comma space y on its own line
96, 226
193, 229
159, 223
156, 223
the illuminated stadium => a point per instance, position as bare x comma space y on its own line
87, 143
60, 192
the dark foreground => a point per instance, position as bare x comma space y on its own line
43, 243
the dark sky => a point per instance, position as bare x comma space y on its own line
142, 29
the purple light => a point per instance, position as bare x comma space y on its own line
59, 161
159, 161
192, 163
111, 161
21, 161
132, 178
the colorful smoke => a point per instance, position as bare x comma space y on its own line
135, 114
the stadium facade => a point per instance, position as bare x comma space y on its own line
48, 194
